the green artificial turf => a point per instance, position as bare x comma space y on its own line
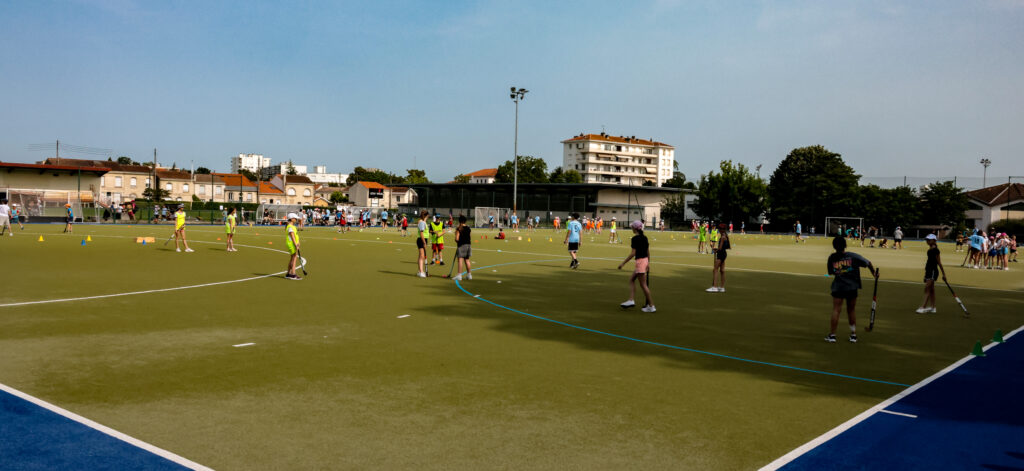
336, 379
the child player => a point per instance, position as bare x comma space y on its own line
229, 226
613, 238
641, 251
845, 268
573, 239
405, 226
70, 218
718, 269
463, 237
179, 229
292, 241
5, 218
931, 274
437, 240
421, 244
16, 217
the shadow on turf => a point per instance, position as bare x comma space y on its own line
761, 322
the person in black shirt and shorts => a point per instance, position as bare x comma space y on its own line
641, 251
463, 251
845, 268
931, 273
721, 252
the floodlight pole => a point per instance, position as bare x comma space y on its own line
516, 95
984, 176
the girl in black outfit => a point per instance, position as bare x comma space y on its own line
718, 272
931, 273
641, 251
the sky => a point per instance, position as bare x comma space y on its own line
923, 88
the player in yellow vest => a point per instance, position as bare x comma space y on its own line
229, 227
179, 229
292, 241
614, 237
437, 240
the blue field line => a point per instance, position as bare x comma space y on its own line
658, 344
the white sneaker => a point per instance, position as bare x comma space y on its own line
421, 275
712, 289
932, 310
469, 276
189, 250
649, 308
721, 289
627, 304
177, 250
922, 310
457, 278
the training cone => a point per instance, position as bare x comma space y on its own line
88, 238
550, 239
218, 238
998, 337
83, 241
270, 243
40, 238
143, 241
389, 241
529, 239
978, 351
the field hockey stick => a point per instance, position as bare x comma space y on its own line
170, 238
874, 302
450, 269
302, 262
957, 298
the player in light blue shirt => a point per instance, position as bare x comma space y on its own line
384, 220
572, 238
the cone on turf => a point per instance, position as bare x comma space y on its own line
83, 242
143, 241
40, 238
978, 351
88, 238
998, 337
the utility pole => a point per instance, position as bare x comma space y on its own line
517, 96
984, 176
58, 151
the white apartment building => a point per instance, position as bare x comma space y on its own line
281, 169
320, 175
250, 162
619, 160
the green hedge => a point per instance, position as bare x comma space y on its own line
1009, 226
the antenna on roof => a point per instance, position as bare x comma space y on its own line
602, 129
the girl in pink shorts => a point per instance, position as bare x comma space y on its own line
640, 249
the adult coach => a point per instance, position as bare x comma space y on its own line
292, 241
932, 267
572, 238
179, 229
897, 238
845, 269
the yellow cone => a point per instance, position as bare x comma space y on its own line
88, 238
40, 238
529, 239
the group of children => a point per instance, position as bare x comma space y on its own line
995, 251
9, 214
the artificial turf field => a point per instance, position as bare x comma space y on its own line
336, 379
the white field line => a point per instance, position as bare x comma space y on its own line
912, 416
160, 290
244, 344
796, 453
104, 429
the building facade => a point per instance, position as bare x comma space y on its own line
619, 160
281, 169
237, 188
995, 203
122, 183
297, 188
208, 187
250, 162
320, 175
178, 184
486, 175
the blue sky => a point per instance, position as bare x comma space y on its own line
917, 88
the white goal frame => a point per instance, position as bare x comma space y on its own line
831, 231
481, 216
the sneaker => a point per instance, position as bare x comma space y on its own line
177, 250
721, 289
295, 277
831, 338
932, 310
627, 304
189, 250
421, 275
469, 276
648, 308
853, 338
922, 310
457, 278
440, 262
713, 289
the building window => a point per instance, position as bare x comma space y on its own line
248, 197
133, 182
218, 190
184, 188
307, 192
169, 187
147, 183
291, 192
117, 182
609, 147
201, 189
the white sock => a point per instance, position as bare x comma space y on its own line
853, 329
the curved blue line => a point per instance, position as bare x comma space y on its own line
658, 344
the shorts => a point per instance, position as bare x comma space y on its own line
642, 265
464, 251
4, 221
898, 241
845, 294
227, 230
574, 246
69, 220
931, 274
437, 247
419, 243
291, 249
992, 253
721, 254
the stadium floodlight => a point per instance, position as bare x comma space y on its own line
984, 176
517, 96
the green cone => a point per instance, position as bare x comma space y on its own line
998, 337
978, 351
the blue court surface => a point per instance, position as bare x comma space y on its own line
36, 438
971, 417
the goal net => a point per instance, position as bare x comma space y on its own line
844, 226
484, 215
272, 213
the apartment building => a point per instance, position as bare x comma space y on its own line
282, 169
619, 160
320, 175
250, 162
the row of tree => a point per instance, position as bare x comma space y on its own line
813, 183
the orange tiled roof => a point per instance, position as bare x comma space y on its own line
232, 179
268, 188
372, 185
174, 174
487, 173
618, 139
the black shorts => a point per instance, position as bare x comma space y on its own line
69, 220
721, 254
931, 274
419, 243
574, 246
898, 240
845, 294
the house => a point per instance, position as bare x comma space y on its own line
177, 182
208, 187
401, 195
270, 194
988, 205
486, 175
120, 184
298, 189
237, 188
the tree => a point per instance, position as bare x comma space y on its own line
943, 203
678, 179
203, 171
125, 160
248, 174
338, 197
565, 176
360, 174
155, 194
461, 178
810, 184
415, 177
531, 170
735, 194
674, 209
887, 208
291, 169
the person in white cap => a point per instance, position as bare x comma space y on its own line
641, 251
613, 238
932, 267
292, 241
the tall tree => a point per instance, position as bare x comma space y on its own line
810, 184
735, 194
248, 174
202, 171
943, 203
125, 160
461, 178
291, 169
338, 197
531, 170
887, 208
360, 174
678, 179
558, 175
415, 176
